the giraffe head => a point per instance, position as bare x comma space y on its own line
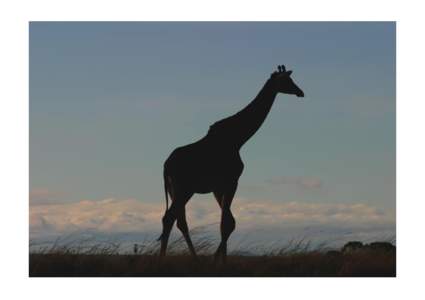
284, 83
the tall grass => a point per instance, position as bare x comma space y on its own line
297, 257
204, 244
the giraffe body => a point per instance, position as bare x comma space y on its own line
185, 166
213, 163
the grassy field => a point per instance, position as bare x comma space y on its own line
295, 261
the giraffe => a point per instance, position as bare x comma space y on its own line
213, 164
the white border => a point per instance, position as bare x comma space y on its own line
14, 150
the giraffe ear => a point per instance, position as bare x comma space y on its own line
289, 73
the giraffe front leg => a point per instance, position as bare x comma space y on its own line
228, 223
227, 226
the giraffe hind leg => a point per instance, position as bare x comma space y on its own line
182, 226
177, 207
167, 224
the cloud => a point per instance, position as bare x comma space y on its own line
307, 183
131, 215
108, 215
43, 196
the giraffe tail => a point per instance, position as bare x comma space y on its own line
166, 191
166, 198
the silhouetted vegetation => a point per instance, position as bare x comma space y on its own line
296, 259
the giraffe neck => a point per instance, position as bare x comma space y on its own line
254, 114
236, 130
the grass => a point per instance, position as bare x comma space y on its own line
296, 259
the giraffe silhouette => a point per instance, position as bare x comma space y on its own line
213, 163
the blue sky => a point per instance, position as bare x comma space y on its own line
110, 101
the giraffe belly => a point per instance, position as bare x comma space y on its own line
199, 182
207, 184
202, 173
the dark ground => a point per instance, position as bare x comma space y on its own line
364, 263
